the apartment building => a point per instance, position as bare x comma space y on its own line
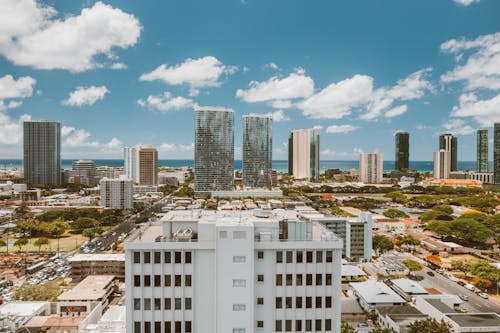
371, 168
117, 193
233, 272
148, 166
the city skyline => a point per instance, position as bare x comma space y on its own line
357, 87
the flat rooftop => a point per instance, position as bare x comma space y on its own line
93, 287
22, 308
476, 319
97, 257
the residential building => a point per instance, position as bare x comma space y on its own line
227, 272
442, 164
214, 150
356, 234
117, 193
373, 294
257, 151
148, 166
402, 151
303, 154
399, 318
482, 150
496, 153
83, 265
371, 168
42, 152
408, 288
131, 162
83, 172
483, 177
448, 142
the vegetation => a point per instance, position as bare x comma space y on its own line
379, 329
485, 270
395, 213
41, 242
363, 203
21, 242
37, 292
439, 212
471, 228
429, 325
381, 244
412, 265
184, 191
407, 241
396, 197
462, 266
346, 327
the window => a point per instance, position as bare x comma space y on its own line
239, 234
157, 280
187, 257
298, 302
167, 304
147, 257
318, 302
168, 280
239, 307
309, 256
260, 278
279, 303
328, 279
137, 327
157, 259
187, 303
168, 327
147, 304
147, 327
222, 234
298, 279
299, 256
329, 256
178, 257
279, 257
279, 327
260, 300
147, 280
328, 302
260, 324
319, 279
137, 257
260, 255
178, 303
168, 257
178, 327
308, 325
239, 283
289, 279
289, 257
178, 280
137, 303
187, 327
187, 280
298, 325
289, 302
328, 324
239, 259
319, 256
157, 304
137, 280
308, 302
309, 279
279, 279
288, 325
318, 325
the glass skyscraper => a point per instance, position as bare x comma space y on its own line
402, 151
496, 152
257, 151
214, 150
449, 143
482, 150
42, 152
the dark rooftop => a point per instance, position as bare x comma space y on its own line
476, 319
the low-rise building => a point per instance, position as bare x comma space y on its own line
14, 315
83, 265
372, 294
408, 288
399, 318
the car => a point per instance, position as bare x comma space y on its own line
430, 273
464, 297
362, 325
415, 277
483, 295
461, 283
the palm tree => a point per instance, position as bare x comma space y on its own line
40, 242
21, 242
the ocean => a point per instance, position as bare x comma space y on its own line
278, 165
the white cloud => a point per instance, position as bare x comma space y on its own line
281, 104
465, 3
332, 153
11, 130
173, 150
118, 65
80, 138
277, 115
272, 66
11, 88
166, 102
197, 73
31, 35
458, 127
279, 91
481, 70
341, 129
485, 112
397, 111
86, 96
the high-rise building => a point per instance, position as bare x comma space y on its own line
257, 151
83, 172
482, 150
117, 193
303, 154
449, 143
217, 272
496, 152
371, 168
148, 166
402, 151
131, 160
442, 165
214, 150
42, 152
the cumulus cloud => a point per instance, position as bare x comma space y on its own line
397, 111
484, 111
197, 73
277, 115
166, 102
86, 96
465, 3
11, 90
341, 129
118, 65
459, 127
78, 138
31, 34
11, 129
174, 150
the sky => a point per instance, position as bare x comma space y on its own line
125, 73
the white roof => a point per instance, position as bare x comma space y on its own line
22, 308
97, 257
374, 292
350, 270
409, 287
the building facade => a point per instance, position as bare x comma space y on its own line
402, 151
442, 162
214, 150
237, 276
257, 151
42, 152
449, 143
131, 163
117, 193
148, 166
496, 153
482, 150
303, 154
371, 168
83, 172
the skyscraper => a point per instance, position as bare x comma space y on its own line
214, 149
482, 150
42, 152
85, 172
131, 160
148, 166
303, 154
117, 193
449, 143
442, 164
402, 150
496, 153
257, 151
371, 168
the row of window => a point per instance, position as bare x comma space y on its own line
287, 302
155, 304
287, 279
161, 257
166, 281
167, 327
286, 325
288, 256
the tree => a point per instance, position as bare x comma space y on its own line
397, 197
57, 229
412, 265
89, 233
84, 223
395, 213
442, 228
40, 242
460, 265
21, 242
21, 209
429, 325
3, 243
470, 230
37, 292
381, 244
485, 270
346, 327
379, 329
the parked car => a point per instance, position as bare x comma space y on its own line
464, 297
416, 277
430, 273
483, 295
469, 287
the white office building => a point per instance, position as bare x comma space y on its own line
131, 159
371, 168
117, 193
233, 272
303, 154
442, 164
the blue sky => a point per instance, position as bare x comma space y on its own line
120, 73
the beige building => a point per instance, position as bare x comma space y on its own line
371, 168
442, 164
303, 154
148, 166
83, 265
